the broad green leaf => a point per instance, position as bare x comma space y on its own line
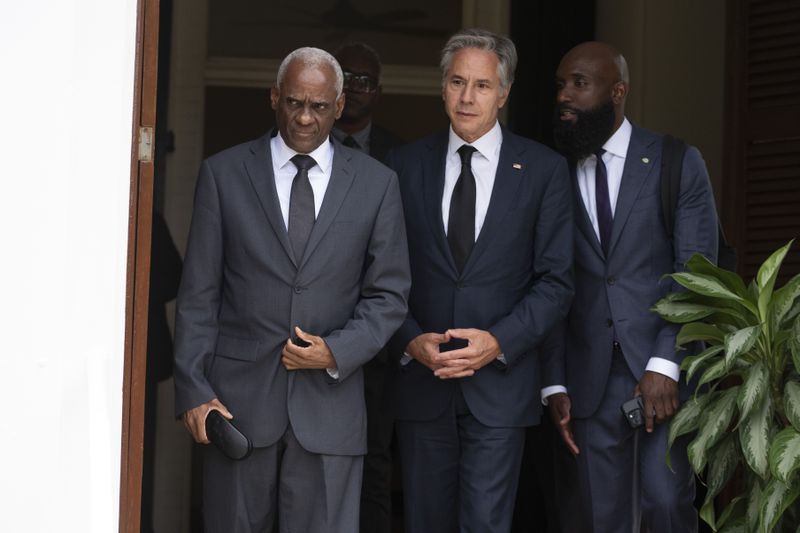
752, 391
754, 505
713, 372
794, 343
791, 403
706, 285
776, 498
687, 419
727, 513
698, 331
784, 454
700, 265
707, 513
793, 312
754, 436
722, 463
766, 276
693, 363
740, 342
739, 526
681, 312
783, 301
713, 423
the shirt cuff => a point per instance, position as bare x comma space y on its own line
333, 372
502, 358
665, 367
405, 359
552, 389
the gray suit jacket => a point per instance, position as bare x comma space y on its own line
613, 295
242, 292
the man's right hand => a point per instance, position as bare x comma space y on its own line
195, 419
560, 406
425, 348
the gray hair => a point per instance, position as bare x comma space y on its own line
312, 57
502, 47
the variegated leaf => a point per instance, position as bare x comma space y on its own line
754, 505
791, 403
794, 343
722, 463
708, 514
754, 436
752, 391
784, 454
698, 331
706, 285
693, 363
713, 372
715, 420
776, 498
739, 343
766, 276
783, 301
700, 265
681, 312
739, 526
687, 419
728, 512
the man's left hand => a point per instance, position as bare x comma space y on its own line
659, 398
315, 355
482, 348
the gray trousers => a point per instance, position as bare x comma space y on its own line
281, 488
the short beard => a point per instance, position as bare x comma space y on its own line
587, 134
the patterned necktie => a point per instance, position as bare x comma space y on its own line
461, 222
351, 142
604, 217
301, 206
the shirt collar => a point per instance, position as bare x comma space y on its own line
487, 145
282, 154
361, 136
618, 143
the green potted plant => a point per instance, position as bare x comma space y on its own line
746, 407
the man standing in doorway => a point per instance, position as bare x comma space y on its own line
614, 347
488, 216
296, 274
362, 88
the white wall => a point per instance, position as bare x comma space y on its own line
66, 94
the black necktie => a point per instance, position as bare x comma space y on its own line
461, 222
349, 141
604, 217
301, 206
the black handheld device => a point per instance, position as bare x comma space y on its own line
224, 435
634, 412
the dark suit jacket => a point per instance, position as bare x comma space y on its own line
381, 141
516, 284
242, 292
613, 295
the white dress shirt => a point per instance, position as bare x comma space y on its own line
319, 175
616, 149
284, 170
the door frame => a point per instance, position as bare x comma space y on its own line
137, 284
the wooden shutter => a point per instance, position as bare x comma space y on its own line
763, 144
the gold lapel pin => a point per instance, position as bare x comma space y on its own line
645, 160
517, 166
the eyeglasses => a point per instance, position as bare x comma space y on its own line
360, 83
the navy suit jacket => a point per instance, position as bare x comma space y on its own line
517, 282
613, 295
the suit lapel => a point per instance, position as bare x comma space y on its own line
433, 169
259, 170
640, 160
582, 216
342, 175
510, 173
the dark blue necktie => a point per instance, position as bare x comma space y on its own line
604, 217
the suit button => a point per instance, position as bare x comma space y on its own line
611, 280
298, 290
610, 323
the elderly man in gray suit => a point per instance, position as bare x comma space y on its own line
615, 348
296, 274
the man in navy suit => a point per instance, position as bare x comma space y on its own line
490, 242
614, 347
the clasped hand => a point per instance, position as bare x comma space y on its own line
482, 348
316, 355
